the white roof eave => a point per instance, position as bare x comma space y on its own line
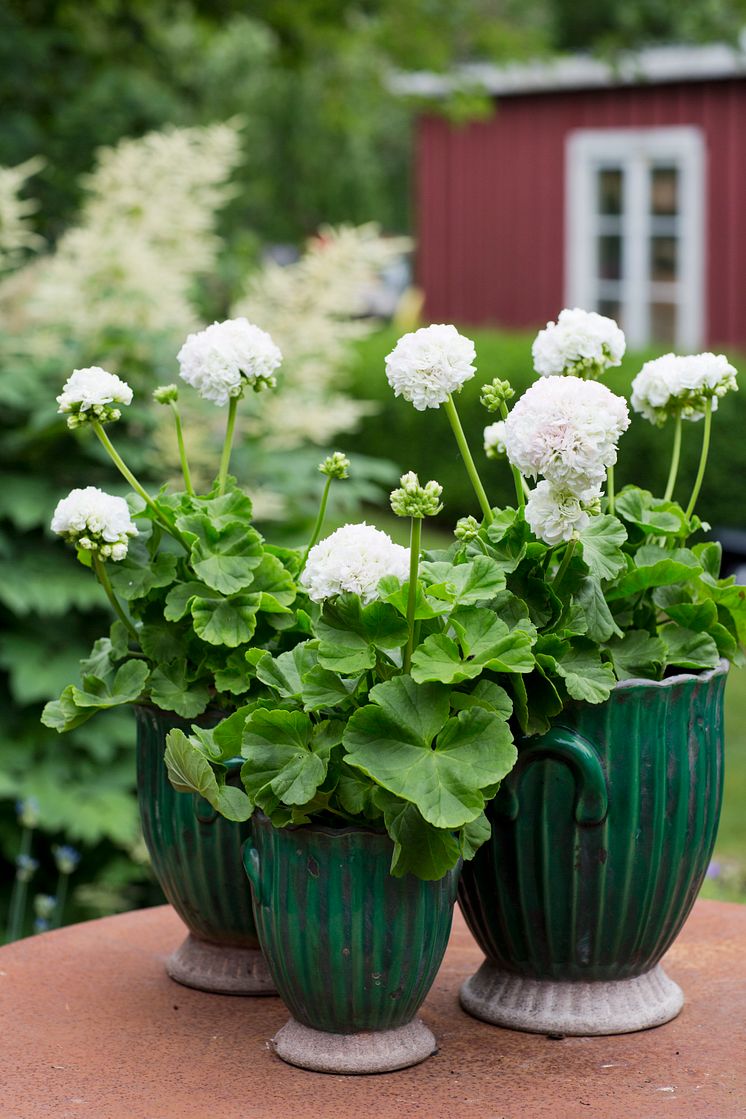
655, 65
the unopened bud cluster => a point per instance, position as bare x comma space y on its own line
336, 465
166, 394
467, 528
497, 393
415, 500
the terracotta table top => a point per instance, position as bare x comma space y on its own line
92, 1028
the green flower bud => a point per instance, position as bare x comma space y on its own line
335, 466
166, 394
467, 528
414, 500
495, 394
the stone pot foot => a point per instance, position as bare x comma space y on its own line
546, 1006
377, 1051
221, 970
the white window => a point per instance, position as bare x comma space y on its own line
634, 246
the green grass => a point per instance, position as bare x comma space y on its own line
730, 848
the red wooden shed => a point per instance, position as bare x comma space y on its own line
619, 189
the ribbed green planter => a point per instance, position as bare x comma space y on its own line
601, 838
353, 951
196, 857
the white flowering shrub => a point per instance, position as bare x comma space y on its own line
17, 235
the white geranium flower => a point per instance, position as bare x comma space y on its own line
555, 515
673, 385
427, 366
92, 394
494, 439
354, 558
227, 357
96, 521
580, 342
566, 429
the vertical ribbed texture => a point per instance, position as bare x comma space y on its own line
549, 898
349, 947
196, 854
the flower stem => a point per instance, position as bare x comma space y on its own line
182, 449
702, 459
610, 489
100, 568
415, 538
59, 908
319, 521
564, 565
471, 469
18, 897
675, 458
225, 458
124, 470
521, 489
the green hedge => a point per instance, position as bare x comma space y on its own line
422, 441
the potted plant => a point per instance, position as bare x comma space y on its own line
602, 833
369, 780
198, 595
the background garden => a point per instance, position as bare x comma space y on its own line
162, 165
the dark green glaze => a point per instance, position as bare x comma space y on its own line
602, 834
196, 854
349, 947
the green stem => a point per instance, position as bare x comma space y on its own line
521, 488
415, 538
564, 565
101, 574
610, 489
675, 458
18, 896
124, 470
471, 469
182, 449
61, 899
225, 458
319, 521
702, 459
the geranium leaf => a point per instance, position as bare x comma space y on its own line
284, 673
286, 755
654, 516
397, 594
600, 624
126, 687
419, 848
225, 621
636, 653
63, 714
190, 771
350, 633
487, 694
224, 557
170, 689
478, 580
586, 676
179, 599
405, 742
687, 649
138, 573
601, 542
655, 567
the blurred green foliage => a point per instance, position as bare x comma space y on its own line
422, 441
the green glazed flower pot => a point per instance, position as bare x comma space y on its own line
601, 837
196, 857
352, 950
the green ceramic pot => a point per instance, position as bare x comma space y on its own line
601, 838
352, 950
196, 857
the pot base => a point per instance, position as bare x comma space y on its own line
220, 970
548, 1006
377, 1051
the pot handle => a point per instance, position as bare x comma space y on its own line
251, 866
563, 745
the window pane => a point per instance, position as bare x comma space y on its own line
612, 308
663, 322
664, 191
664, 258
610, 186
610, 257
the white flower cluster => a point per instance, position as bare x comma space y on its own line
354, 558
16, 232
566, 429
494, 439
555, 515
96, 521
427, 366
92, 395
227, 357
674, 385
583, 343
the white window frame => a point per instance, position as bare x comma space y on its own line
634, 150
